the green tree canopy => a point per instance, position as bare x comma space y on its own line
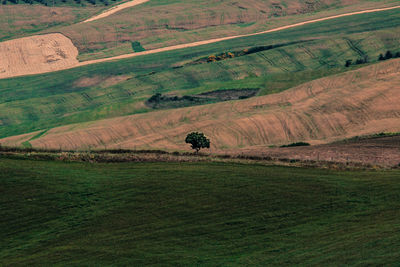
198, 141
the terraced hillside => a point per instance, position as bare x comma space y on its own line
359, 102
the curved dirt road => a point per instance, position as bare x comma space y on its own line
116, 9
181, 46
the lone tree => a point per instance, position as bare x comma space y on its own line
198, 141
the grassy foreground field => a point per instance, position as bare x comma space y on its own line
214, 214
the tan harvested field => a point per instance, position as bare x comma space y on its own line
37, 54
52, 52
116, 9
359, 102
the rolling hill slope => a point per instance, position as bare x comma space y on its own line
180, 22
359, 102
121, 87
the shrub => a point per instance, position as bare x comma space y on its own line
212, 58
388, 55
155, 98
137, 46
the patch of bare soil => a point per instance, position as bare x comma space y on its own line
36, 54
113, 80
100, 81
88, 81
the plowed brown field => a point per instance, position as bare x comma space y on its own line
36, 54
360, 102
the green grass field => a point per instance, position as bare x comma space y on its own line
45, 101
203, 214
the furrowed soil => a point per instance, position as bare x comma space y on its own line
358, 102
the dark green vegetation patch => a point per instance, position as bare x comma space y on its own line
159, 101
195, 214
137, 47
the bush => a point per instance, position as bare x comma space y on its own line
155, 98
137, 46
388, 55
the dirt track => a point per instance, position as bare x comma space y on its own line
20, 68
116, 9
